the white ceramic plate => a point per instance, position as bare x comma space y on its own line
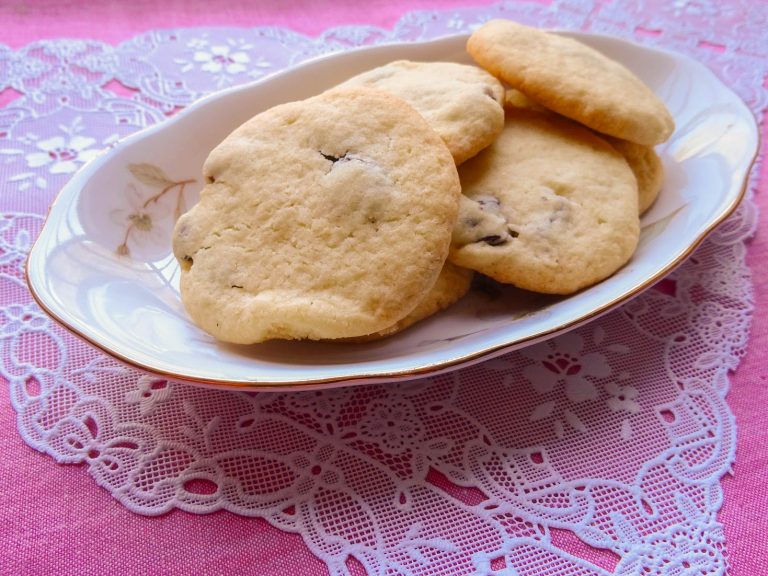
116, 285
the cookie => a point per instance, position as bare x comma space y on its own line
647, 167
464, 104
549, 207
325, 218
643, 160
452, 283
516, 99
572, 79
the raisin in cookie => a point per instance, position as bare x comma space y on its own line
464, 104
572, 79
549, 207
319, 220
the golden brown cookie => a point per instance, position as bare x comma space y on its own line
452, 283
464, 104
643, 160
325, 218
572, 79
647, 167
516, 99
549, 207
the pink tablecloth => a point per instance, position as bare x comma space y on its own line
55, 520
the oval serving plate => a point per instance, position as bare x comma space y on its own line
103, 268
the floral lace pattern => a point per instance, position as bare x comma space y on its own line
477, 472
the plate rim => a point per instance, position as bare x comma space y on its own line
71, 189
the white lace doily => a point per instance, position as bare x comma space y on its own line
613, 436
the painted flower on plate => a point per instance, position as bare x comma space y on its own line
142, 217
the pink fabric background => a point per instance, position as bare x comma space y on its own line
55, 520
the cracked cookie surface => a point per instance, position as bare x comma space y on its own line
573, 79
325, 218
549, 207
464, 104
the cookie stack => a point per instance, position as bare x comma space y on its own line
345, 216
553, 204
